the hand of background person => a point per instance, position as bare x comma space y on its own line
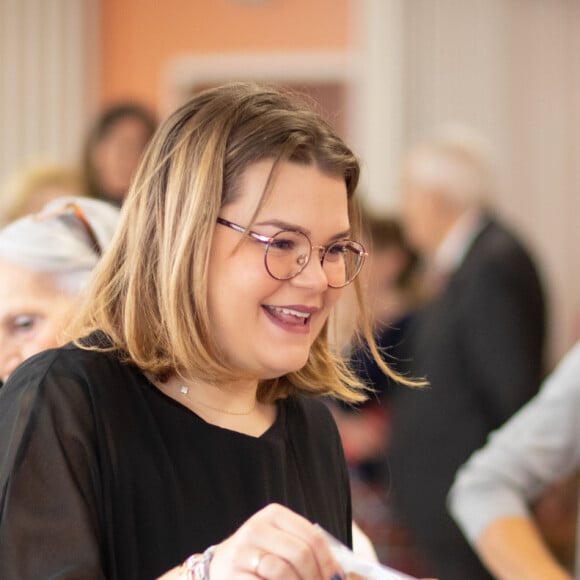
513, 549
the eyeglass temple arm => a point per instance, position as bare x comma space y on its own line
242, 230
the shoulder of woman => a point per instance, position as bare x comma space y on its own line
313, 412
40, 374
59, 376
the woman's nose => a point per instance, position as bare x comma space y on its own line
313, 275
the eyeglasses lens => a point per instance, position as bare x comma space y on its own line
342, 262
289, 252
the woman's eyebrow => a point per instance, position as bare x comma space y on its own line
281, 224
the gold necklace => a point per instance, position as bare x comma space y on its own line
184, 390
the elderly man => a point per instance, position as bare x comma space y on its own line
479, 342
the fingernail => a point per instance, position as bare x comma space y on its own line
336, 577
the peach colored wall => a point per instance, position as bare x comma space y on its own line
137, 37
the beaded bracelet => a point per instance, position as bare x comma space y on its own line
196, 567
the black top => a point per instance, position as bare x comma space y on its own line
104, 476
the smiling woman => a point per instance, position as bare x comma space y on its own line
184, 417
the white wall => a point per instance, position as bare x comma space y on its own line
48, 70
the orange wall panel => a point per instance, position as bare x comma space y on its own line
138, 37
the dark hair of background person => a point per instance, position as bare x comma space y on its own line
105, 124
386, 232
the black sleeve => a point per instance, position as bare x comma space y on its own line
322, 456
343, 477
506, 323
48, 479
345, 486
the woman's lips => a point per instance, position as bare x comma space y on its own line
290, 318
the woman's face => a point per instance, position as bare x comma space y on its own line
32, 313
117, 155
259, 321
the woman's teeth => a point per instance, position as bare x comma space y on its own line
291, 311
283, 313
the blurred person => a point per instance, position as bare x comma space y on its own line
479, 341
30, 188
392, 291
182, 424
46, 259
113, 149
493, 493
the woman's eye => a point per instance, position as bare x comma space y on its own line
282, 244
24, 322
338, 248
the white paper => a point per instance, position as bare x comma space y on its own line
350, 562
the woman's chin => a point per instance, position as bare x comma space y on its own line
286, 369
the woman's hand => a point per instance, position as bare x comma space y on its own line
275, 543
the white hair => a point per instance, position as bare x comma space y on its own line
55, 242
456, 162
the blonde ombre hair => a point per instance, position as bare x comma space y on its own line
149, 294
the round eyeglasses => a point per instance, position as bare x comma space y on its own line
288, 252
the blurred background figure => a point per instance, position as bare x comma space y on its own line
392, 293
113, 149
45, 260
478, 341
493, 495
393, 281
33, 186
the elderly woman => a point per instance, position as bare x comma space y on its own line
45, 260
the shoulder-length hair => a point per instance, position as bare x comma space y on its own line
149, 294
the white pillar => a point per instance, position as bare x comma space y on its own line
378, 98
48, 78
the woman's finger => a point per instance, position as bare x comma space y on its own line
276, 543
313, 543
291, 549
273, 567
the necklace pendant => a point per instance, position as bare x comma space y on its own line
184, 390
